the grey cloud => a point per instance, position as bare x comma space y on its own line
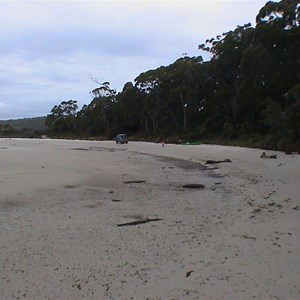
40, 44
47, 49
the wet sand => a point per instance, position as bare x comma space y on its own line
96, 220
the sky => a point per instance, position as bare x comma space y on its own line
50, 50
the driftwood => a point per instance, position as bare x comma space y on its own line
211, 162
82, 149
248, 237
264, 155
188, 274
194, 186
137, 222
134, 181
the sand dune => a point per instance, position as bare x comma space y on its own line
96, 220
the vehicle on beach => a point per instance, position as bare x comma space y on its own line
121, 138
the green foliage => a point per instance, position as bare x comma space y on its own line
6, 130
284, 14
62, 117
32, 124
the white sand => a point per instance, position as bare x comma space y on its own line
61, 203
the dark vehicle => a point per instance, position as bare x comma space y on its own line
121, 139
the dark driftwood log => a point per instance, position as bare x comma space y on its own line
211, 162
194, 186
137, 222
188, 274
134, 181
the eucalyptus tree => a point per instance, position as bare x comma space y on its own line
227, 50
101, 108
148, 85
283, 15
271, 65
181, 85
62, 117
128, 111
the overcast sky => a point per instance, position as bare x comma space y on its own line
49, 49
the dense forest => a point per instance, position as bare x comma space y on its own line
249, 91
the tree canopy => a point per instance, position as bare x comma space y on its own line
250, 87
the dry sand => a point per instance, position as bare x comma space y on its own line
61, 203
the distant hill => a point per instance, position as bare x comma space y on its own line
37, 123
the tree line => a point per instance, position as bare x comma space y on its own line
249, 89
26, 127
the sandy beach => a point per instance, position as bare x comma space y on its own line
97, 220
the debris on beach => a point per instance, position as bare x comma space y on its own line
264, 155
194, 186
188, 274
81, 149
116, 200
248, 237
211, 162
134, 181
141, 221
